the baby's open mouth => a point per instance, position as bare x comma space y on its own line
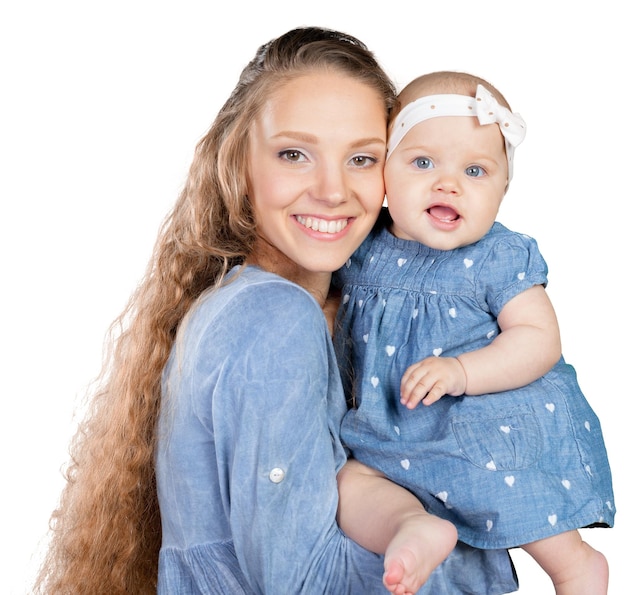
443, 213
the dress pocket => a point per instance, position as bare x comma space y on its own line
511, 440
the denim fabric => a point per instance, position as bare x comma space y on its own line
506, 468
248, 451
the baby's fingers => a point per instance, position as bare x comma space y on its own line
413, 387
434, 394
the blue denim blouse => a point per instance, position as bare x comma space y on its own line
248, 451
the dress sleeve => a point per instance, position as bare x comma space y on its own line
513, 265
276, 414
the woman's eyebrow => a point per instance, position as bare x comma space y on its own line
371, 140
305, 137
300, 136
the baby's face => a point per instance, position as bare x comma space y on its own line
445, 181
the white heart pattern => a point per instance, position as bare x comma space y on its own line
390, 349
550, 407
437, 352
401, 261
468, 262
415, 314
521, 276
365, 338
587, 426
396, 429
491, 466
509, 480
374, 380
346, 298
405, 464
452, 312
566, 484
443, 496
505, 429
489, 524
552, 519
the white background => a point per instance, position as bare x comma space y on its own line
101, 104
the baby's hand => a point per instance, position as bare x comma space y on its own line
427, 381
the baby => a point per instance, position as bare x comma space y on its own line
446, 308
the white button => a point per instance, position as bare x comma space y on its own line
277, 475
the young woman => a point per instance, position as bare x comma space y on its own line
224, 378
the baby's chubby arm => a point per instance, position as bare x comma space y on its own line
528, 347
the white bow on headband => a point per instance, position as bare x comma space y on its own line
484, 106
488, 110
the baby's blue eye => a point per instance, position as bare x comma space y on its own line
475, 171
423, 163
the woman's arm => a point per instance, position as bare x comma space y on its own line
277, 437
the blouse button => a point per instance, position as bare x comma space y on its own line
277, 475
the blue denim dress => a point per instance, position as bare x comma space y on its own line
507, 468
248, 451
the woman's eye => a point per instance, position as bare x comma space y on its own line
423, 163
475, 171
292, 155
364, 160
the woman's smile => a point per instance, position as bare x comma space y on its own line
326, 226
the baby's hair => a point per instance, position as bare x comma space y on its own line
445, 82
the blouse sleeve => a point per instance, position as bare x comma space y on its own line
276, 414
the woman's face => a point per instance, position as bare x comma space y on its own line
315, 173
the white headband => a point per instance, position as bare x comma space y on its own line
484, 106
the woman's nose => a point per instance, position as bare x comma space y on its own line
331, 184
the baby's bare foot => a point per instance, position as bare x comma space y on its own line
423, 542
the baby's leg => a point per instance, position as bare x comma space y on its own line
573, 565
387, 519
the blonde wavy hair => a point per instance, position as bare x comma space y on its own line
106, 532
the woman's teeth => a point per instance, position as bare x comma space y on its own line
323, 225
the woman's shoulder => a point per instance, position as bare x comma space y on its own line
255, 287
255, 301
263, 290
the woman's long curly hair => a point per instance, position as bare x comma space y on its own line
106, 532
